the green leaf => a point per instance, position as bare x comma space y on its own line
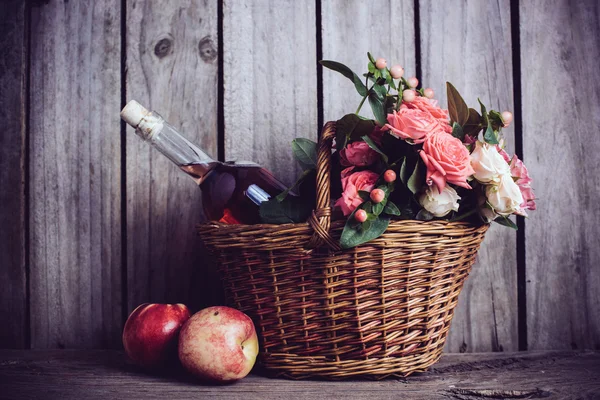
371, 57
373, 146
417, 178
305, 152
473, 124
505, 221
347, 72
372, 68
298, 182
385, 74
484, 115
366, 225
496, 119
457, 131
377, 105
378, 208
364, 195
391, 209
379, 91
459, 112
404, 172
290, 210
351, 127
392, 83
354, 236
490, 136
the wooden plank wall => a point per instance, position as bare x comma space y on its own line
561, 120
467, 43
13, 165
95, 222
171, 60
75, 175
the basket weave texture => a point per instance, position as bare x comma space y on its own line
377, 310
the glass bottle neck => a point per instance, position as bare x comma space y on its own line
165, 138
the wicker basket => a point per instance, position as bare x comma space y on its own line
380, 309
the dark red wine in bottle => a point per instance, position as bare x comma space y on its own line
231, 191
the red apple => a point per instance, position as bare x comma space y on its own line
218, 344
151, 332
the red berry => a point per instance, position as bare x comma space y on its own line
397, 71
413, 82
380, 63
377, 195
360, 216
409, 95
429, 93
389, 176
507, 117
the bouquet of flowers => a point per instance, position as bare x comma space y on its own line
415, 160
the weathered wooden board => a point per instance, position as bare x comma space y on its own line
108, 375
13, 73
75, 174
468, 43
560, 49
172, 68
385, 28
269, 73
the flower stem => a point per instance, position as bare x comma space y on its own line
361, 103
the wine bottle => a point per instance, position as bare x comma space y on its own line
231, 191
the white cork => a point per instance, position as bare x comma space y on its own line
133, 113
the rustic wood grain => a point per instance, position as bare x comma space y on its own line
13, 73
171, 68
350, 30
469, 44
108, 375
560, 49
75, 230
269, 68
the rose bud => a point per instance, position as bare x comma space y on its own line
389, 176
360, 216
380, 63
397, 71
439, 203
377, 195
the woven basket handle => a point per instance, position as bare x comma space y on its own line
320, 220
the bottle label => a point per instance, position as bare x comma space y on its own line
244, 164
256, 194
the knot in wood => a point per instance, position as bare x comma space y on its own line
208, 53
163, 47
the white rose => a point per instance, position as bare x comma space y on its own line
505, 197
487, 163
487, 214
439, 204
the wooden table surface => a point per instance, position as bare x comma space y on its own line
105, 374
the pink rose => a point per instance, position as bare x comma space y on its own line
431, 106
351, 184
519, 171
447, 161
377, 135
358, 154
412, 124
